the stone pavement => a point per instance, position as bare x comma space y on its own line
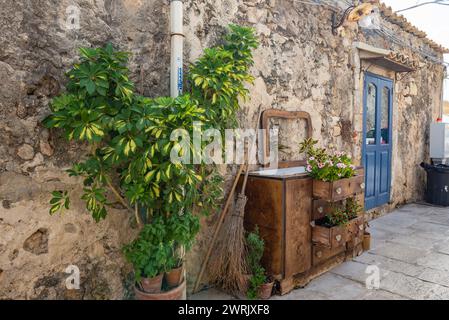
410, 246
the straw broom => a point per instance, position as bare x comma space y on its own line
229, 268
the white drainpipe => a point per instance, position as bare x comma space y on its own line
176, 61
177, 44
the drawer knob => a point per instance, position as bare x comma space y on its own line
320, 209
338, 237
362, 186
338, 190
319, 254
361, 227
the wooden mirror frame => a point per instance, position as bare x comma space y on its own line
269, 114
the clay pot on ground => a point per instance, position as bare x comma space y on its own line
173, 294
152, 285
264, 292
174, 277
366, 241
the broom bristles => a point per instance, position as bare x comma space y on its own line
229, 269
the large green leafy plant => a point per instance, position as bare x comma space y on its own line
130, 145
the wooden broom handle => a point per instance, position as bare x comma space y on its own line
217, 228
224, 211
253, 145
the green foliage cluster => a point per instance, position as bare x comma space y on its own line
154, 250
256, 248
342, 215
130, 141
325, 166
218, 77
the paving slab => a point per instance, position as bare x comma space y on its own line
435, 276
382, 295
413, 240
387, 264
439, 218
336, 287
435, 260
355, 271
442, 246
431, 227
412, 287
400, 252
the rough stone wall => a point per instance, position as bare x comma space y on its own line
35, 51
299, 66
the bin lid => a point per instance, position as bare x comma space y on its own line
443, 168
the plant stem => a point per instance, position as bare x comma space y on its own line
118, 196
136, 213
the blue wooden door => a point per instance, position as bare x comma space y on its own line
377, 141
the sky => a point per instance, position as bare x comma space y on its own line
432, 19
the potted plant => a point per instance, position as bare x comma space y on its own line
149, 255
335, 177
260, 286
182, 230
339, 226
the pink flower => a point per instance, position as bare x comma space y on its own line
321, 165
311, 158
341, 165
309, 168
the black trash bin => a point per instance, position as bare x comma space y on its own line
437, 184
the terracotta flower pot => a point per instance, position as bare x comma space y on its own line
174, 276
152, 285
176, 293
366, 241
265, 290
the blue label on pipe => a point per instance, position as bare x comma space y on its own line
180, 78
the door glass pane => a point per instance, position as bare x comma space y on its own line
385, 114
371, 114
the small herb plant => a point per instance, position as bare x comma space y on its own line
342, 215
325, 166
149, 254
256, 247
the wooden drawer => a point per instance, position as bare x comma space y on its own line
339, 235
340, 189
329, 237
322, 253
322, 208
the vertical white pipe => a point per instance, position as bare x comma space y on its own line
176, 62
177, 44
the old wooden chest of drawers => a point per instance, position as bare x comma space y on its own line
280, 204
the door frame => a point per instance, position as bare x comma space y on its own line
366, 76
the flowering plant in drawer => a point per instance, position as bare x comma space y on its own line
325, 166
